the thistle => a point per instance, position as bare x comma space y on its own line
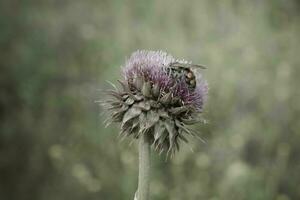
157, 99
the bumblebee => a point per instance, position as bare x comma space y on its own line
184, 70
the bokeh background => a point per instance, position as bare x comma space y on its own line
56, 55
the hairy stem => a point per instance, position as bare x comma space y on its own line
144, 168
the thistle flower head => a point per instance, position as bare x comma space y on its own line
159, 96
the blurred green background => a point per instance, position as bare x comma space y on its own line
55, 55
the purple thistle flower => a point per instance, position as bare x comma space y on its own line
160, 96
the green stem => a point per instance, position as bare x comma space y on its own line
144, 168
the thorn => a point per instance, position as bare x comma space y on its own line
199, 138
123, 138
131, 142
192, 150
107, 123
161, 151
166, 159
114, 86
168, 151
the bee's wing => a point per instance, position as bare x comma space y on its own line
186, 65
176, 64
198, 66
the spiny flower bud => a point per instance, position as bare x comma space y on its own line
159, 96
